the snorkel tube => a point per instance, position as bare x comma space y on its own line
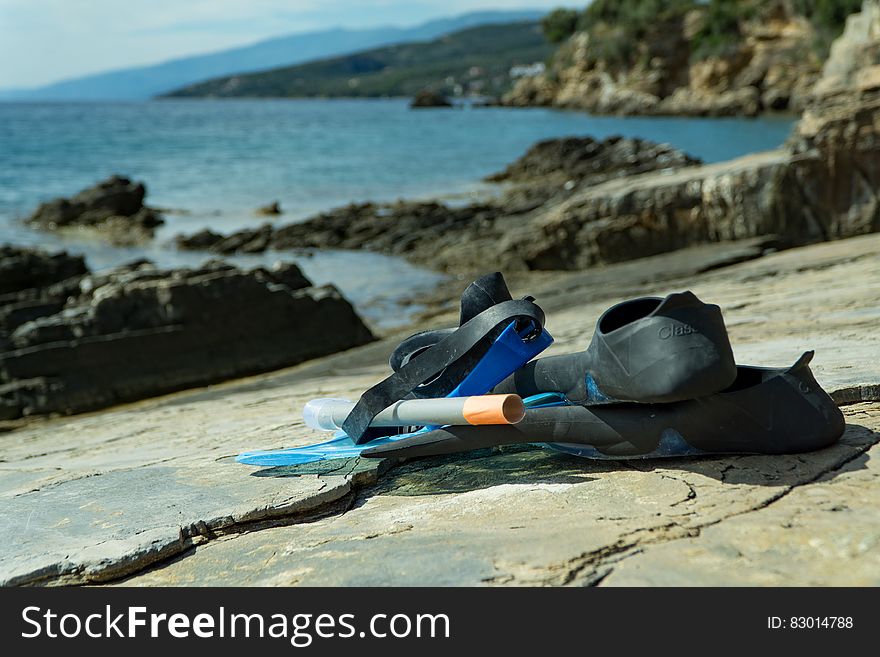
496, 336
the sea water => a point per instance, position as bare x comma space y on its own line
211, 163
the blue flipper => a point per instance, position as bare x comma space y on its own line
506, 355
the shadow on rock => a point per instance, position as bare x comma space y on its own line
776, 469
333, 467
461, 473
532, 464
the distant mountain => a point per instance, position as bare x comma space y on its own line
148, 81
475, 60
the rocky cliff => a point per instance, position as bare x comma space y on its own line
835, 172
723, 57
822, 185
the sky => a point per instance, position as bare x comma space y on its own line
42, 41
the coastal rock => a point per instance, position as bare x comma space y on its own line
139, 331
251, 240
24, 269
622, 218
485, 101
653, 213
246, 241
448, 237
851, 64
585, 158
835, 173
272, 209
114, 208
34, 284
200, 241
429, 98
766, 63
744, 101
403, 228
821, 186
284, 273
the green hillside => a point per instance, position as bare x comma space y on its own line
475, 60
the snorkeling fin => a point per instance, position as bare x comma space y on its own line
482, 295
764, 411
497, 335
648, 350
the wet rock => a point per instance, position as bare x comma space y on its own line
139, 331
34, 284
399, 229
24, 269
245, 241
585, 158
251, 240
428, 98
200, 241
271, 209
114, 208
443, 236
284, 273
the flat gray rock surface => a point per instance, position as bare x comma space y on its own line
148, 494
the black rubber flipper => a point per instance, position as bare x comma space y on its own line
483, 293
425, 367
647, 350
765, 411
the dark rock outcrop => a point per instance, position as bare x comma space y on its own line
25, 269
101, 339
200, 241
406, 229
33, 285
429, 98
271, 209
251, 240
449, 237
114, 208
585, 158
402, 229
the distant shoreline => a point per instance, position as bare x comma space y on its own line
767, 115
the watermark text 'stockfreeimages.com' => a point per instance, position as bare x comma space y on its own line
300, 629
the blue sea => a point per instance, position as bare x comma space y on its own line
211, 163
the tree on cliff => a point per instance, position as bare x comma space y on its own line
559, 24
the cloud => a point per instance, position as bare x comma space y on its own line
55, 39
